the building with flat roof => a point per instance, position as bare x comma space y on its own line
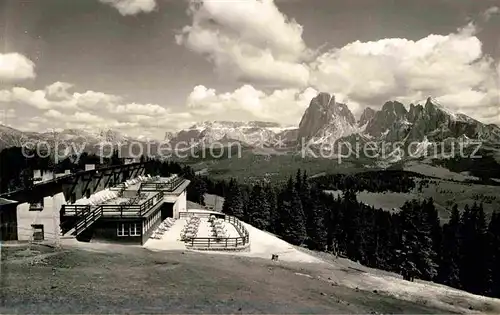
118, 203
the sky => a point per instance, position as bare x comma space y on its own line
144, 67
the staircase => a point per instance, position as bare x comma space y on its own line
85, 221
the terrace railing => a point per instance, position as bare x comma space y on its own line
76, 210
88, 220
238, 225
215, 243
158, 186
124, 210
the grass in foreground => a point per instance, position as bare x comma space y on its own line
135, 280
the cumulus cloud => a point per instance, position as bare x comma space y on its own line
14, 67
490, 12
57, 95
6, 114
247, 103
64, 108
250, 40
256, 43
451, 68
132, 7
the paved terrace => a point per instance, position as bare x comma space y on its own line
171, 239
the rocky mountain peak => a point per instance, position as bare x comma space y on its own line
415, 111
366, 116
326, 117
168, 136
323, 100
392, 116
394, 108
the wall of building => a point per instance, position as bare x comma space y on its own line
49, 217
180, 204
150, 224
8, 222
107, 230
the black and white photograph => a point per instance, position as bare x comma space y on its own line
250, 157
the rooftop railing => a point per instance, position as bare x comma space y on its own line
162, 186
120, 210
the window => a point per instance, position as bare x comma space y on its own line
135, 229
128, 229
37, 205
37, 232
122, 229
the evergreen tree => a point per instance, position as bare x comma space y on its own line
316, 229
449, 272
298, 181
258, 208
292, 226
474, 271
270, 195
233, 202
408, 251
416, 253
484, 270
196, 191
494, 257
433, 228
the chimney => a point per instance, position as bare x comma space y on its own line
48, 175
89, 167
37, 175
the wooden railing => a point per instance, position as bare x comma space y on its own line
184, 215
75, 210
239, 226
87, 220
168, 186
214, 242
121, 210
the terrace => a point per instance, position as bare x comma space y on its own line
201, 230
119, 207
165, 184
115, 203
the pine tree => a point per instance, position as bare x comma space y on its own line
408, 251
433, 228
474, 271
416, 254
484, 271
196, 191
292, 226
233, 202
494, 255
310, 207
449, 271
298, 181
258, 208
270, 196
316, 229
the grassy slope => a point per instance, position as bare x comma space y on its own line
133, 280
249, 166
444, 191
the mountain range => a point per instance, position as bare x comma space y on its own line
325, 121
